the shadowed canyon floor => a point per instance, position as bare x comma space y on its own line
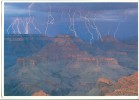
127, 86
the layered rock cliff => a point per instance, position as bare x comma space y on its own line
127, 85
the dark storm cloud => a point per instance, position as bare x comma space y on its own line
43, 7
107, 15
104, 11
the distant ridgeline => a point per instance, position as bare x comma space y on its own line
22, 37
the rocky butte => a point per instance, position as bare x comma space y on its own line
125, 86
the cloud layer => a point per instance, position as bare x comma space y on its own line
107, 15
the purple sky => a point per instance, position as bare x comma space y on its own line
58, 15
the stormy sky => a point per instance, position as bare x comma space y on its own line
58, 18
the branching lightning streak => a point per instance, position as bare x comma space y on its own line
15, 22
28, 19
96, 28
74, 26
50, 20
27, 25
23, 23
35, 26
117, 28
18, 30
31, 19
12, 25
29, 8
72, 23
46, 28
87, 24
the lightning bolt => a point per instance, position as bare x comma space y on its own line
74, 26
11, 26
50, 20
62, 14
14, 24
94, 26
29, 9
117, 28
23, 23
27, 25
72, 23
28, 20
18, 22
37, 29
87, 24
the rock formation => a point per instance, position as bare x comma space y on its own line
40, 93
127, 86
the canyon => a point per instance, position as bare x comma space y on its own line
65, 65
